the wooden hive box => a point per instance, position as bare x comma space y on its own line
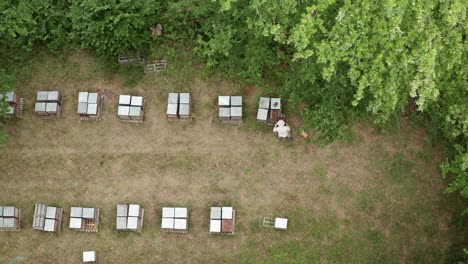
184, 106
262, 115
10, 218
236, 100
236, 112
52, 108
40, 108
123, 112
82, 103
224, 113
172, 106
264, 103
54, 96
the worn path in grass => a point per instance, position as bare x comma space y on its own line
377, 199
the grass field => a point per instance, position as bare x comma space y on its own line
376, 199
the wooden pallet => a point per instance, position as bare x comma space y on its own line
89, 118
173, 231
155, 67
130, 121
231, 122
21, 106
268, 222
141, 220
180, 119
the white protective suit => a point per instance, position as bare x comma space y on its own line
281, 129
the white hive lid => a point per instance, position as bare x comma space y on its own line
88, 213
132, 223
262, 114
83, 97
215, 226
167, 223
40, 107
236, 111
224, 112
168, 212
51, 212
180, 212
135, 111
134, 210
123, 110
89, 256
180, 224
184, 98
184, 109
281, 223
1, 210
53, 96
264, 103
9, 211
236, 100
226, 213
224, 100
275, 103
41, 96
172, 109
75, 223
8, 97
121, 223
49, 225
11, 110
173, 98
76, 211
124, 99
122, 210
82, 108
137, 100
92, 109
9, 222
51, 107
215, 213
92, 98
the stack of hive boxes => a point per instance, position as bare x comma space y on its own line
269, 110
14, 107
84, 219
222, 220
48, 103
89, 105
131, 108
175, 219
9, 218
130, 217
230, 109
47, 218
179, 106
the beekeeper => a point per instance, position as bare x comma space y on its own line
282, 130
